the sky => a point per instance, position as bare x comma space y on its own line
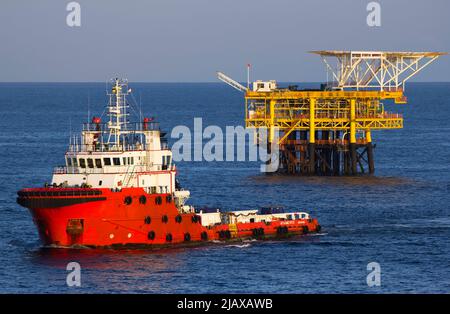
189, 40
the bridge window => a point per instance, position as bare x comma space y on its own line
69, 162
107, 161
98, 163
90, 163
116, 161
132, 160
82, 163
74, 162
124, 160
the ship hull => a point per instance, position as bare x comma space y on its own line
68, 217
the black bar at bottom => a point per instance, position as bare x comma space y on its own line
223, 303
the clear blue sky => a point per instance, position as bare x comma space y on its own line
188, 40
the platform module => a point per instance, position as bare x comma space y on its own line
328, 131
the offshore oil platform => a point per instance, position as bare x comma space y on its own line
328, 131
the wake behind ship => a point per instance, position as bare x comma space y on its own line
119, 188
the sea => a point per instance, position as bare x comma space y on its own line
397, 219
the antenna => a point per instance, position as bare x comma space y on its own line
117, 110
70, 131
88, 113
140, 107
140, 115
248, 75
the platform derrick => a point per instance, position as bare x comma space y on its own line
328, 131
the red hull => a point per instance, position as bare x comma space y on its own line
101, 217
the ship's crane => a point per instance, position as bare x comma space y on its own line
327, 131
224, 78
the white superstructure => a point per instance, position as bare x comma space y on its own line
118, 153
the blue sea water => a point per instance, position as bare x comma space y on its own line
399, 218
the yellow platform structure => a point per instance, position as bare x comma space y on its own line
328, 131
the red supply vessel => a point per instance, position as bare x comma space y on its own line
118, 188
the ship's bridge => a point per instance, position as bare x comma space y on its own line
137, 136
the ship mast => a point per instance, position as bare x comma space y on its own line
117, 112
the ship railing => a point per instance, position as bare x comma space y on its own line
109, 148
111, 169
102, 147
60, 170
130, 126
77, 170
